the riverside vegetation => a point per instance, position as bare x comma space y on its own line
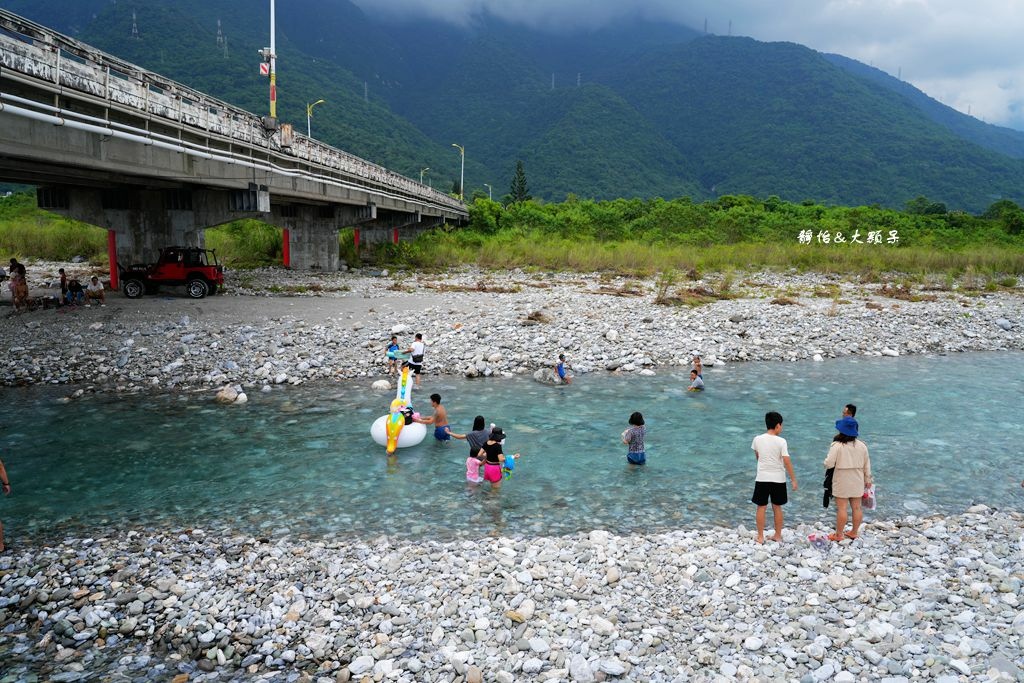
629, 236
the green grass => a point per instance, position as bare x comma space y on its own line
26, 232
629, 237
441, 250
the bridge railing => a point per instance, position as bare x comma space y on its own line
43, 54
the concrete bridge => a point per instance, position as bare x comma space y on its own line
156, 162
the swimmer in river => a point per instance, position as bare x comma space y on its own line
439, 419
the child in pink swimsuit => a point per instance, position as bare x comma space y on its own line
473, 469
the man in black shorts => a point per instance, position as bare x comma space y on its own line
416, 352
773, 463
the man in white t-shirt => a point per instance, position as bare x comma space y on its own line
416, 356
773, 463
94, 291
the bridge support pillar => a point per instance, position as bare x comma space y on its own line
311, 232
310, 236
398, 228
141, 222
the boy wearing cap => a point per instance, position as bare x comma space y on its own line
773, 464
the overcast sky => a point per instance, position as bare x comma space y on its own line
967, 54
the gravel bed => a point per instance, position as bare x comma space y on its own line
922, 598
274, 326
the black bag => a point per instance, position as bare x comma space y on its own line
828, 486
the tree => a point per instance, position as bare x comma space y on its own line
520, 190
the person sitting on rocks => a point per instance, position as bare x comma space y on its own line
94, 291
76, 293
560, 370
696, 383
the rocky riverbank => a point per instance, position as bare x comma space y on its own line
277, 327
921, 598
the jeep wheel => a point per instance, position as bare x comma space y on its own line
133, 289
197, 288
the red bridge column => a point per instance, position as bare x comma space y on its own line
286, 247
112, 255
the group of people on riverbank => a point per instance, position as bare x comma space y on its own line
72, 292
847, 475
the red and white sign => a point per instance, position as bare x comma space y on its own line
264, 69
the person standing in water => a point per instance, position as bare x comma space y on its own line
439, 419
633, 437
494, 457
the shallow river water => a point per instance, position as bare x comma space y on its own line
942, 432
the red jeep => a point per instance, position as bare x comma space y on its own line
197, 269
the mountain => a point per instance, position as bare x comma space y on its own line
778, 118
637, 108
996, 138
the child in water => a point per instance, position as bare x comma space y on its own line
633, 437
473, 465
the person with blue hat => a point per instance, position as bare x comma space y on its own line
852, 474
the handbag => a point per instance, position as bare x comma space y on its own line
868, 501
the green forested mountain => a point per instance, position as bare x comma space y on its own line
633, 109
996, 138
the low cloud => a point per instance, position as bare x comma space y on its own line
965, 54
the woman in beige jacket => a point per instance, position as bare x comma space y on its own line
849, 456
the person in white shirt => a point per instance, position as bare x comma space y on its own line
94, 291
416, 356
773, 463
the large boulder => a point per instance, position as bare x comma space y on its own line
381, 385
547, 376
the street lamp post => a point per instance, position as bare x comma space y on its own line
309, 117
488, 191
462, 174
422, 171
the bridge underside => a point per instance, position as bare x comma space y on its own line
159, 194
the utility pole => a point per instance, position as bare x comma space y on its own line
135, 27
273, 61
730, 27
462, 174
552, 81
366, 91
577, 79
705, 25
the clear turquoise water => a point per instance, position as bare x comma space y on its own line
943, 431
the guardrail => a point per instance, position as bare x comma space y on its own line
58, 60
